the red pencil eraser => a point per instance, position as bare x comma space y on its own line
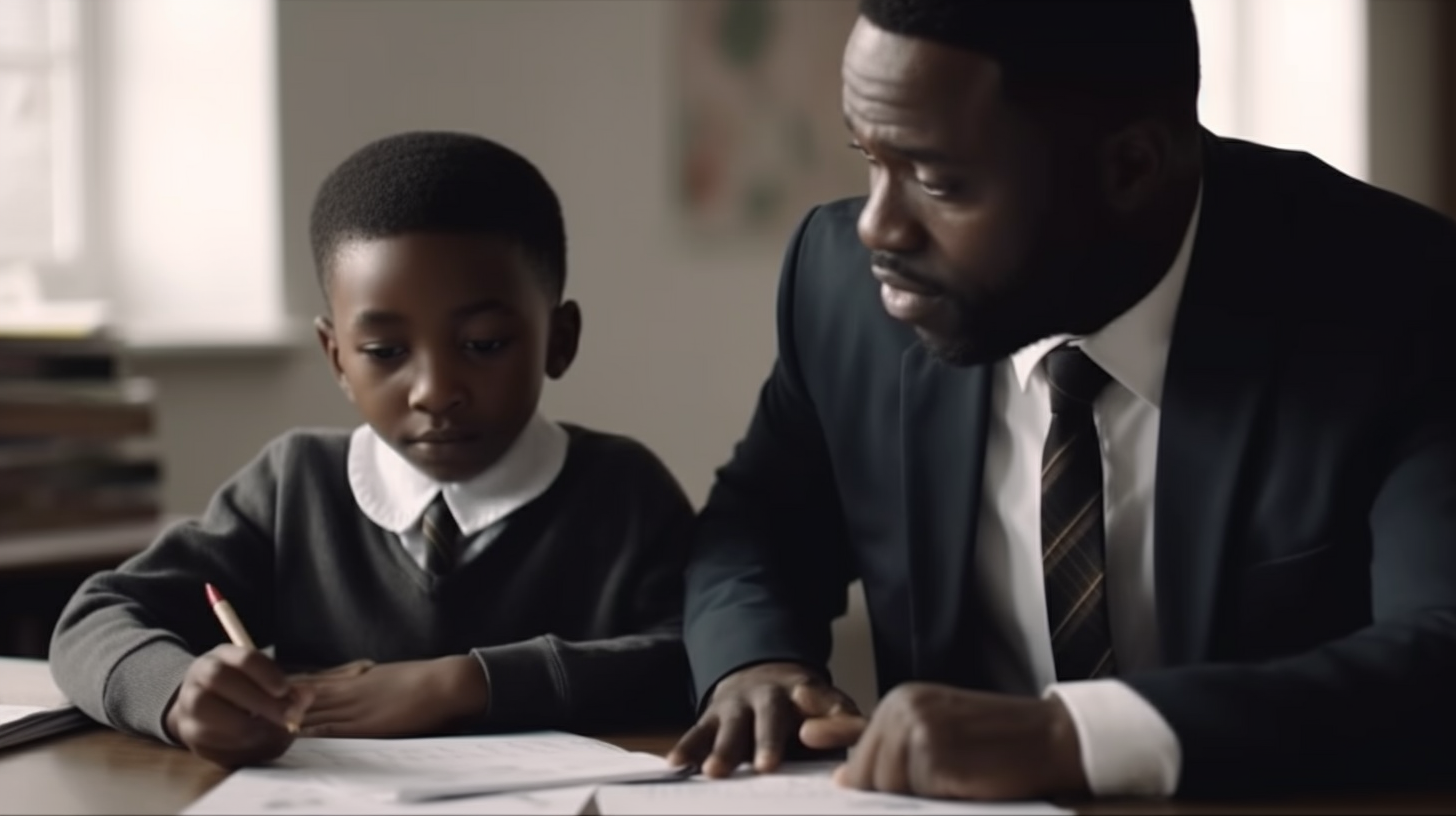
213, 596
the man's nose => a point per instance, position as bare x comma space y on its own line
888, 222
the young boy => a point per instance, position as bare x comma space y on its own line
458, 562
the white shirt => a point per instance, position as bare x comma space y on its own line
394, 495
1127, 747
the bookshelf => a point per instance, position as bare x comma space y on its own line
80, 474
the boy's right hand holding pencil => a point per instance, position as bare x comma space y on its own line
235, 706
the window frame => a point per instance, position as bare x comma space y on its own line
64, 59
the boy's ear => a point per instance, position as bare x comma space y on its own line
330, 343
564, 339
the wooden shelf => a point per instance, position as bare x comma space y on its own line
81, 546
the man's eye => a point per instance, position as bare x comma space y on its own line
486, 346
383, 352
940, 189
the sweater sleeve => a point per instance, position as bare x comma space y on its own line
126, 638
636, 676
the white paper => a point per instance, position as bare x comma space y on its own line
363, 775
798, 788
394, 765
287, 792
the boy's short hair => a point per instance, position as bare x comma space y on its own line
441, 182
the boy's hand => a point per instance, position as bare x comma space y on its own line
234, 707
405, 699
754, 712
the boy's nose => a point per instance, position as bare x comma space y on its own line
436, 390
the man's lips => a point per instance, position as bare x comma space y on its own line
895, 280
907, 300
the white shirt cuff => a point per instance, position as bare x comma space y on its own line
1128, 749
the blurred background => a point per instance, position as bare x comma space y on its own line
158, 159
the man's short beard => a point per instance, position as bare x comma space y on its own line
957, 353
964, 352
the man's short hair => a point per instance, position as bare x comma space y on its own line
1132, 57
440, 182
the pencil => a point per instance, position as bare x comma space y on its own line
229, 619
233, 625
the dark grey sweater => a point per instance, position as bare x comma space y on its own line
573, 611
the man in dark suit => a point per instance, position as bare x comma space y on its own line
1142, 441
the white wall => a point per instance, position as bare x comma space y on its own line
1288, 73
677, 341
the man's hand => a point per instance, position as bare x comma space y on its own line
405, 699
948, 743
234, 707
755, 711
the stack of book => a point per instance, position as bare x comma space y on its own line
22, 725
77, 443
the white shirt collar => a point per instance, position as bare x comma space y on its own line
393, 494
1133, 348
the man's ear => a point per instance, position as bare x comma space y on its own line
330, 343
1134, 161
564, 339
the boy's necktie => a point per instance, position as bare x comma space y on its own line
1072, 532
442, 537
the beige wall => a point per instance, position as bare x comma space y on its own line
677, 340
1404, 84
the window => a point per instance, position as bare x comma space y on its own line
139, 163
1289, 73
40, 133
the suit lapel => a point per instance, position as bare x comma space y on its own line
943, 414
1218, 362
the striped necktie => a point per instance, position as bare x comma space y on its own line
442, 537
1071, 520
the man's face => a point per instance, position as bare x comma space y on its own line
981, 229
442, 342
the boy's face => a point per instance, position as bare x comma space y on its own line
442, 341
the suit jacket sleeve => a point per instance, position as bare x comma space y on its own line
770, 566
1375, 707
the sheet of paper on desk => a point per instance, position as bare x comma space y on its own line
799, 788
280, 792
538, 759
364, 775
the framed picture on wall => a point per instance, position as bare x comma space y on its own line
760, 137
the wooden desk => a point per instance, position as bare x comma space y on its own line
103, 772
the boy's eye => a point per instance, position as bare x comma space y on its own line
486, 346
382, 352
859, 148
